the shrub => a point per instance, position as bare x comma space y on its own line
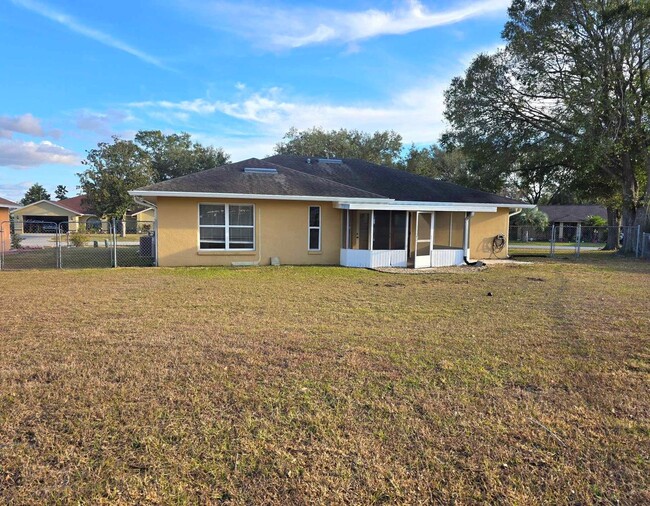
533, 218
16, 241
78, 239
595, 221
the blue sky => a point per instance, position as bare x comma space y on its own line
234, 74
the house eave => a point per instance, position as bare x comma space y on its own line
428, 206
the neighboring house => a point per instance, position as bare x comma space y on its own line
6, 206
302, 210
140, 219
570, 215
69, 215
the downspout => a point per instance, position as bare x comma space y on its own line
146, 203
519, 210
468, 217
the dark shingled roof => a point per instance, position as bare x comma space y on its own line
76, 204
347, 178
573, 213
392, 183
231, 178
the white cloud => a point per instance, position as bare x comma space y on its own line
76, 26
24, 124
415, 113
101, 123
302, 26
18, 154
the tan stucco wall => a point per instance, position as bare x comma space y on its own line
4, 225
281, 229
484, 227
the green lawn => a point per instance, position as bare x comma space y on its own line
327, 385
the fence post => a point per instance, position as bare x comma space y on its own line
578, 239
2, 245
57, 246
114, 243
553, 240
638, 241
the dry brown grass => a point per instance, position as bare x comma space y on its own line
326, 385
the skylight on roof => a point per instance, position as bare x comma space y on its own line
260, 170
335, 161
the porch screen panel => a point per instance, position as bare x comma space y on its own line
398, 230
381, 233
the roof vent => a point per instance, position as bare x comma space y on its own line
333, 161
260, 170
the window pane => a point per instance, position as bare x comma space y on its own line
314, 235
210, 214
213, 234
314, 216
240, 234
213, 245
241, 215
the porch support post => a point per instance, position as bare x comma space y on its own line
406, 232
468, 217
372, 229
347, 229
431, 232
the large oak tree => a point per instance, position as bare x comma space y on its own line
569, 94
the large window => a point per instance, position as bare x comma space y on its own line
314, 228
226, 227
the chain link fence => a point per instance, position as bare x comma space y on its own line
573, 240
77, 245
645, 246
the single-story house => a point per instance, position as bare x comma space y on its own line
6, 206
301, 210
570, 215
72, 215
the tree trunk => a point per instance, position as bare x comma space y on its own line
123, 234
613, 228
630, 201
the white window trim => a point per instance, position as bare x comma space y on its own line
225, 226
310, 228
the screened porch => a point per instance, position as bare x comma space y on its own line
397, 238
